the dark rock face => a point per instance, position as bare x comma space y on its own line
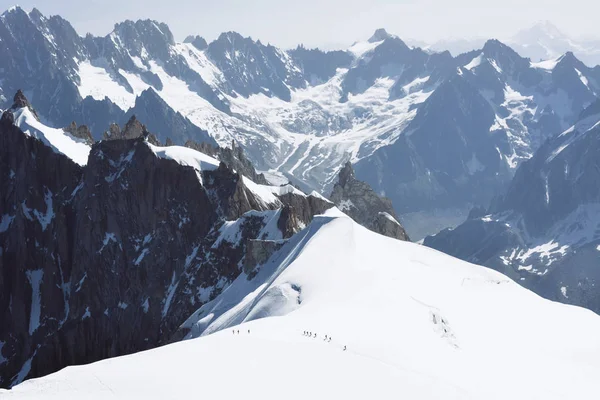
318, 66
35, 262
110, 258
258, 252
133, 129
20, 101
361, 203
543, 231
449, 158
160, 118
251, 67
388, 226
298, 211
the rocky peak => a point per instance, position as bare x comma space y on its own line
197, 41
379, 35
505, 57
361, 203
144, 30
7, 118
14, 11
569, 61
346, 174
133, 129
252, 68
81, 132
20, 101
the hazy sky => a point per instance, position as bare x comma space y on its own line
328, 23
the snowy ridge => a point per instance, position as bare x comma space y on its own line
186, 156
413, 322
59, 140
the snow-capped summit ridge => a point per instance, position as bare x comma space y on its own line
384, 317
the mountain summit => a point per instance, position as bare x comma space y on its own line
379, 35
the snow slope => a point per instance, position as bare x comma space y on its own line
60, 141
186, 156
417, 324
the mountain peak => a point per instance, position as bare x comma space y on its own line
358, 200
144, 28
20, 101
379, 35
346, 173
548, 28
15, 8
197, 41
569, 60
494, 45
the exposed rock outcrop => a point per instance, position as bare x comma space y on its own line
361, 203
258, 252
81, 132
133, 129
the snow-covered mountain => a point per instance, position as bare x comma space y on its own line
544, 231
303, 113
404, 321
106, 248
125, 236
545, 41
542, 41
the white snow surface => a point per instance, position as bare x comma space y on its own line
418, 324
186, 157
547, 64
359, 49
60, 141
475, 62
97, 82
389, 217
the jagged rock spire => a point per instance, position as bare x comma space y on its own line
346, 174
361, 203
20, 100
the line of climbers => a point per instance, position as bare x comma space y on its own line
314, 335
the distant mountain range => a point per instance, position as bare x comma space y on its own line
432, 132
542, 41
